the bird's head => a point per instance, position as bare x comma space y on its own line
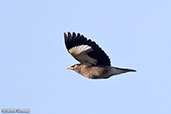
75, 67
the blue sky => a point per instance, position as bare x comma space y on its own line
34, 60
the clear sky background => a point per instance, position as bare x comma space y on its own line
33, 58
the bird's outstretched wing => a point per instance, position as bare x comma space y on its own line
87, 52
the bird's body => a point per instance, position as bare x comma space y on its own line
95, 63
100, 72
95, 72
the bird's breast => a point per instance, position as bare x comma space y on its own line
95, 72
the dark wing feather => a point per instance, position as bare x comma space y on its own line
73, 40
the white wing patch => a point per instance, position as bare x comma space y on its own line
80, 53
79, 49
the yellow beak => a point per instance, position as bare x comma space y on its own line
70, 68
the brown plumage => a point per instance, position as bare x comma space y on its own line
95, 63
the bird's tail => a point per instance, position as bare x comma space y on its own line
121, 70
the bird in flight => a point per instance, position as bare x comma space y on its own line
94, 62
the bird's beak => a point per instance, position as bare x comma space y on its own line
70, 68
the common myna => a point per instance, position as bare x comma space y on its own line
94, 62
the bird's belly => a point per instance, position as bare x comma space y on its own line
96, 73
